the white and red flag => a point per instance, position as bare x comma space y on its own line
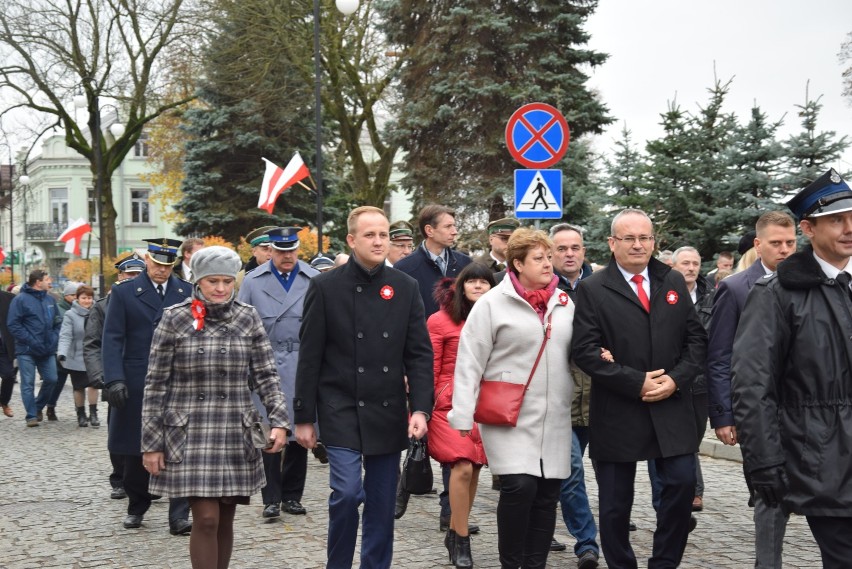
276, 180
2, 255
73, 236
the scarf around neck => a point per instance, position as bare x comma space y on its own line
539, 298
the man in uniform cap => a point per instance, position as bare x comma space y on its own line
261, 251
792, 378
401, 242
277, 291
133, 312
322, 263
128, 267
499, 232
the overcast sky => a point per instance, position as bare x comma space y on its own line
662, 50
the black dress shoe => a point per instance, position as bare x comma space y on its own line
294, 507
444, 523
271, 511
692, 523
180, 527
472, 529
556, 546
118, 494
132, 521
632, 526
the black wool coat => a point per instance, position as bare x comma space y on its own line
792, 384
623, 428
361, 335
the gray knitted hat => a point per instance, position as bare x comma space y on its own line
215, 260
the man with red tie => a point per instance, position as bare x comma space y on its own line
641, 404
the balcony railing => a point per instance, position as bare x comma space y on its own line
45, 231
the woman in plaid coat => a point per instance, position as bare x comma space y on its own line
197, 413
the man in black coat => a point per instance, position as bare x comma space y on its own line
363, 332
641, 404
133, 313
792, 374
774, 240
434, 259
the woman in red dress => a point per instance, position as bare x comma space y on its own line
464, 455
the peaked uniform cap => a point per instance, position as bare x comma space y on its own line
503, 226
259, 236
284, 238
162, 250
826, 195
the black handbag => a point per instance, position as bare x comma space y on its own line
416, 469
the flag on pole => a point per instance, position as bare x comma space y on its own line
73, 236
2, 255
276, 180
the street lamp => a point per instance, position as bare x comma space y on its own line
346, 7
23, 180
116, 129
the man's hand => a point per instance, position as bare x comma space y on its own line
727, 435
117, 394
417, 426
665, 387
154, 462
306, 435
651, 381
770, 484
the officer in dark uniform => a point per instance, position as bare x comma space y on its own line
133, 312
128, 268
499, 232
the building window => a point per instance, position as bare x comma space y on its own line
140, 149
59, 206
139, 206
93, 207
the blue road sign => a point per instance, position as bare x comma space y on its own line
538, 194
537, 135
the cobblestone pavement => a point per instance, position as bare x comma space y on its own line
55, 512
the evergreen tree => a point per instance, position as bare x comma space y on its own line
467, 68
810, 152
241, 123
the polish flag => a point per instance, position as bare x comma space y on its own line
277, 180
73, 236
2, 255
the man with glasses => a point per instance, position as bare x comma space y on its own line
499, 232
641, 406
401, 242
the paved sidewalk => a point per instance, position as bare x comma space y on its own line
55, 512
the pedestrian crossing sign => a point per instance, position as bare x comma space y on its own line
538, 194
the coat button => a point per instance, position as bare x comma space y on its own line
385, 403
385, 334
360, 404
223, 351
201, 397
360, 369
385, 369
360, 335
223, 396
200, 350
358, 288
224, 328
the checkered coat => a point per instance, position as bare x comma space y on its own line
197, 407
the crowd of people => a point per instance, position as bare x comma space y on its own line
220, 377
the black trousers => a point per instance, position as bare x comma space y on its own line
287, 481
526, 518
7, 376
138, 498
615, 500
834, 537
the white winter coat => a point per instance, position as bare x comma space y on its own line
71, 337
500, 340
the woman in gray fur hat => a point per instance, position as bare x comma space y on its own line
197, 413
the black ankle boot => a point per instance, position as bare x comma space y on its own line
462, 558
51, 414
93, 416
82, 421
450, 544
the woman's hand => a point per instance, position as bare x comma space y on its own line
154, 462
278, 436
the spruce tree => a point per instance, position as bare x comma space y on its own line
467, 67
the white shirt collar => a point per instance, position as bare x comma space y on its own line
830, 270
627, 275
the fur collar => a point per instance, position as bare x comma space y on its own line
800, 270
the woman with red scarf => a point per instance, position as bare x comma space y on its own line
500, 341
463, 455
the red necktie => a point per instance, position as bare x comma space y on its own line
640, 291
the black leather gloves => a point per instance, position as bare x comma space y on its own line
117, 394
770, 484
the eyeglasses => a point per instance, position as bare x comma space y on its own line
404, 246
642, 239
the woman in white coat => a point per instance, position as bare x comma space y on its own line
500, 341
70, 355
